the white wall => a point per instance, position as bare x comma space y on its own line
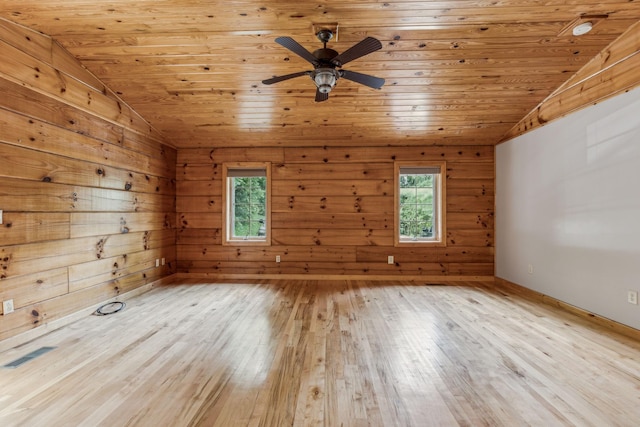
568, 203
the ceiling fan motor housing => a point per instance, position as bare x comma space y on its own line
325, 55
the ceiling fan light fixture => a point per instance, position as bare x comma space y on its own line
325, 79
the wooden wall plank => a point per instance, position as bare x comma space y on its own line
332, 212
206, 235
466, 171
24, 163
90, 224
197, 251
204, 187
20, 195
32, 288
20, 67
32, 133
35, 165
458, 254
29, 41
457, 203
87, 187
24, 259
29, 69
332, 204
201, 220
25, 101
471, 187
352, 187
18, 260
470, 220
66, 63
197, 172
104, 270
335, 221
199, 204
28, 227
338, 171
475, 238
330, 154
212, 156
332, 237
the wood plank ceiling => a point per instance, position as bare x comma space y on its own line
458, 71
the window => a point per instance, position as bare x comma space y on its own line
419, 201
246, 203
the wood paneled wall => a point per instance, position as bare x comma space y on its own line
332, 213
86, 186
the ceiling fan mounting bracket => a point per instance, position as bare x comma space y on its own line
325, 26
324, 35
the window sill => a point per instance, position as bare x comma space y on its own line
438, 243
248, 242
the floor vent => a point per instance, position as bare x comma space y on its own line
28, 357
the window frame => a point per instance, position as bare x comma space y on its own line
440, 201
227, 197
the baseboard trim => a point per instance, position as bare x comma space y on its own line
532, 295
32, 334
218, 277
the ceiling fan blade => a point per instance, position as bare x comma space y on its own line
296, 48
321, 96
356, 51
363, 79
285, 77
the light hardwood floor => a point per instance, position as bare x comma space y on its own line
339, 353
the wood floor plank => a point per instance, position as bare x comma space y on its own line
326, 353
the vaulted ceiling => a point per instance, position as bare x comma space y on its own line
457, 71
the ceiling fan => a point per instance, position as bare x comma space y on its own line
327, 64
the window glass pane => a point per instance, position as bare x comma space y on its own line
248, 205
417, 205
407, 195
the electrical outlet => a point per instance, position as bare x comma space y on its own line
632, 297
7, 306
0, 216
530, 269
277, 258
390, 259
158, 262
163, 261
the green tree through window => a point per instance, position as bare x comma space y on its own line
416, 205
249, 206
419, 203
246, 195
